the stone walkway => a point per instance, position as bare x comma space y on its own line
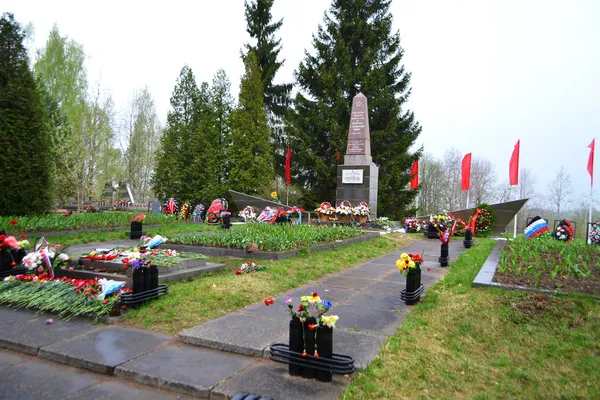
203, 362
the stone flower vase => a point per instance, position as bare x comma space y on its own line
444, 255
153, 269
309, 346
136, 230
413, 283
325, 349
296, 343
362, 219
468, 242
138, 281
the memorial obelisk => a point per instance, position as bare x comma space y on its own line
357, 177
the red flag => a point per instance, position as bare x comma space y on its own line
414, 173
590, 167
466, 172
513, 170
288, 166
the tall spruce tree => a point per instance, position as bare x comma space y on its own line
24, 136
251, 153
355, 51
267, 48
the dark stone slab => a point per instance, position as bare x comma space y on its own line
30, 335
344, 282
7, 359
376, 301
183, 369
40, 380
238, 333
11, 315
273, 380
360, 346
488, 269
388, 286
102, 350
116, 390
89, 247
366, 319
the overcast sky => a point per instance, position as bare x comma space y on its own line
484, 73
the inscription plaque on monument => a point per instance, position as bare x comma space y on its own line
352, 176
358, 132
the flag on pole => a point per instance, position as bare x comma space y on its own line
513, 170
590, 166
288, 166
414, 173
466, 172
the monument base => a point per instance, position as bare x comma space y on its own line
358, 183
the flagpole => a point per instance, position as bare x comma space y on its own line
589, 241
516, 222
468, 192
287, 194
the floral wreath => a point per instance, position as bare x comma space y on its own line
414, 226
170, 207
185, 211
595, 232
197, 213
248, 213
536, 227
564, 232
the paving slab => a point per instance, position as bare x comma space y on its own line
117, 390
7, 359
238, 333
272, 380
30, 335
344, 282
364, 319
35, 379
372, 272
102, 350
358, 345
11, 315
89, 247
184, 369
376, 301
388, 286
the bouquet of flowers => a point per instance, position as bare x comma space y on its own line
595, 233
275, 197
439, 221
248, 267
362, 210
564, 232
446, 226
325, 209
267, 216
414, 226
45, 258
197, 214
344, 209
248, 213
139, 218
409, 262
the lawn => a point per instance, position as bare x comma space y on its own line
210, 296
485, 343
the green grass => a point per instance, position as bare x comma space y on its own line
119, 234
480, 343
210, 296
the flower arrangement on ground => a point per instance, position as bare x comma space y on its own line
297, 210
383, 223
267, 215
215, 211
537, 227
344, 211
409, 262
362, 211
595, 233
413, 226
197, 213
248, 213
564, 232
170, 207
45, 258
249, 267
11, 251
185, 211
325, 210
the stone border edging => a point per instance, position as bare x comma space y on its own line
91, 230
267, 255
486, 274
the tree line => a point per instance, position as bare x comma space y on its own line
212, 143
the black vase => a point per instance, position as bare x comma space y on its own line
153, 276
444, 255
413, 283
147, 279
296, 343
468, 242
226, 222
325, 349
6, 259
138, 281
136, 230
432, 232
309, 346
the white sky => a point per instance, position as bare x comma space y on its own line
484, 73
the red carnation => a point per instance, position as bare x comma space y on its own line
23, 236
312, 327
12, 264
316, 355
105, 301
2, 237
269, 301
13, 222
315, 294
238, 272
300, 308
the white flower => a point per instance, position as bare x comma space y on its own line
329, 320
63, 257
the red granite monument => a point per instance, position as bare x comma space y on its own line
357, 178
